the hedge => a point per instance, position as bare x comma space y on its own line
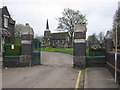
17, 40
12, 52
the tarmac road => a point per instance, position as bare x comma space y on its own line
56, 71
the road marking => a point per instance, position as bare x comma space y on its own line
78, 80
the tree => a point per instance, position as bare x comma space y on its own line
39, 37
18, 29
101, 37
68, 20
117, 16
92, 39
117, 20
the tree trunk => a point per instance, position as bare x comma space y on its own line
71, 40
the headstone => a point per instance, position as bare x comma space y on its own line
79, 59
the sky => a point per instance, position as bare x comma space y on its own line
99, 13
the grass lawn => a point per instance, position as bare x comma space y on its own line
64, 50
117, 50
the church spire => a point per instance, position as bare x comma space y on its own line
47, 25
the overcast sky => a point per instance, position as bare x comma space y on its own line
99, 13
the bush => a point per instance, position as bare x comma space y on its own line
12, 52
17, 40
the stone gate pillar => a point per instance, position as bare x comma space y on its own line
26, 48
79, 59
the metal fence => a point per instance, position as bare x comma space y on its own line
95, 49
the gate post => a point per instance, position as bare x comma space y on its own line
26, 48
79, 58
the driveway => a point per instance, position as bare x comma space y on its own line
56, 71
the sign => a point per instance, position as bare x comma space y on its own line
79, 41
12, 46
26, 42
79, 27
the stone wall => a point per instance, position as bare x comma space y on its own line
9, 61
95, 62
16, 61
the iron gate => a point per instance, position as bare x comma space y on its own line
95, 50
36, 45
95, 54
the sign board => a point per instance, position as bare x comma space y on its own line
79, 27
79, 41
26, 42
12, 46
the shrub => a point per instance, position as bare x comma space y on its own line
12, 52
17, 40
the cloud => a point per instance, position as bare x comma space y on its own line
98, 12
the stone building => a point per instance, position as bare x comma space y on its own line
7, 24
6, 27
55, 40
47, 36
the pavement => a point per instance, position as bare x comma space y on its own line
56, 71
98, 77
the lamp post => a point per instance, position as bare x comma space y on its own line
1, 41
1, 59
116, 40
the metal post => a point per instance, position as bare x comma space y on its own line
1, 59
1, 43
116, 54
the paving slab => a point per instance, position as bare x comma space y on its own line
99, 77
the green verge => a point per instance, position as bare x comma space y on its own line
63, 50
117, 50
